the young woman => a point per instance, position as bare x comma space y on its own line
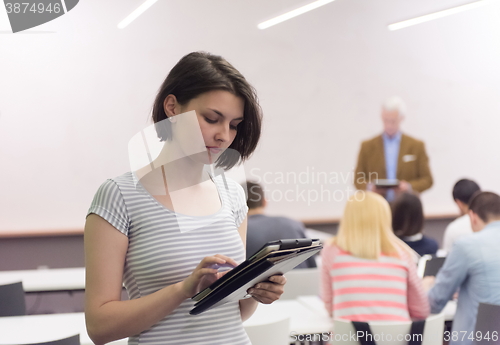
163, 230
408, 222
368, 274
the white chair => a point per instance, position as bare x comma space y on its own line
271, 330
301, 282
390, 333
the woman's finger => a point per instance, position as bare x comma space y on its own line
278, 279
272, 287
210, 260
227, 259
204, 271
264, 296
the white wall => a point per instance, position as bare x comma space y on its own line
70, 100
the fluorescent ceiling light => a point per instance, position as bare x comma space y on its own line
138, 11
436, 15
292, 14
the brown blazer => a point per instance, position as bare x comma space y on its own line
413, 163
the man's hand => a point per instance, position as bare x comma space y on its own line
404, 186
372, 188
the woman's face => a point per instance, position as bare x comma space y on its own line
219, 114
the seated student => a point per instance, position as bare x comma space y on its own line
462, 194
262, 229
473, 266
368, 274
408, 221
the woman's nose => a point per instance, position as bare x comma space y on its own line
224, 133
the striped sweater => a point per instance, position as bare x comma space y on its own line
357, 289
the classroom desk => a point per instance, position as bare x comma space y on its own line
47, 280
42, 328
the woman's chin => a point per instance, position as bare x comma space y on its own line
204, 157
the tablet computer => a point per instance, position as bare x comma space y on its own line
276, 257
386, 183
429, 265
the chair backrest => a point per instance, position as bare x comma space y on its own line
390, 333
301, 282
275, 332
12, 301
487, 322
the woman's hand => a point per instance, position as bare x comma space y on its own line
428, 282
205, 274
269, 291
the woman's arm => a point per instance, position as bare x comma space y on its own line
418, 303
107, 317
326, 278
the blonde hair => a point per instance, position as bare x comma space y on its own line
365, 230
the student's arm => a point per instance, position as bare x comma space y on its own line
418, 304
326, 279
265, 292
107, 317
449, 278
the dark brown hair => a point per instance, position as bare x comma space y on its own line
255, 197
200, 72
464, 190
486, 205
407, 215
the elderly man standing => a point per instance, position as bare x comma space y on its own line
393, 155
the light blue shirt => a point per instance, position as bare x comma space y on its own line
473, 265
391, 154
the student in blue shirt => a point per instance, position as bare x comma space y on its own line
473, 265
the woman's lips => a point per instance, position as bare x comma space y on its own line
214, 150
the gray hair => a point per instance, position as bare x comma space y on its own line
395, 103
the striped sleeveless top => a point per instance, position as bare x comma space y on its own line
358, 289
165, 247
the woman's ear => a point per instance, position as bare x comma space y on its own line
171, 106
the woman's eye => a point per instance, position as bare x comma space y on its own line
235, 127
210, 120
